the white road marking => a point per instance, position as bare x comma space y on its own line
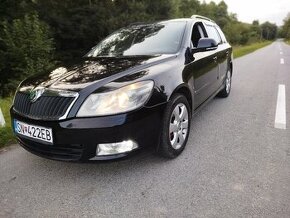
282, 61
2, 120
280, 117
281, 52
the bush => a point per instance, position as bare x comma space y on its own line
25, 49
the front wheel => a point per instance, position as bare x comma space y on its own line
175, 127
225, 92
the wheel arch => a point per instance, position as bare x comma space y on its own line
184, 90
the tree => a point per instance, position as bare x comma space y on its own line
26, 46
269, 30
25, 49
285, 30
221, 16
256, 31
186, 8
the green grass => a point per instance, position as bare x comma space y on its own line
6, 134
243, 50
287, 41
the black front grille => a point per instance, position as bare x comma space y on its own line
57, 152
46, 107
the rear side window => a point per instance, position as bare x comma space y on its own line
213, 33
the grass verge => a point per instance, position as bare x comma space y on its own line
243, 50
6, 134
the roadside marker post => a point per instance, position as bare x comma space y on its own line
2, 120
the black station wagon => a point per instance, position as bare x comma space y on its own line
139, 87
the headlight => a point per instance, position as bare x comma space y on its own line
121, 100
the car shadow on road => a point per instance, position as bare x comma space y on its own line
140, 161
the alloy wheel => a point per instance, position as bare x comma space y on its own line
178, 127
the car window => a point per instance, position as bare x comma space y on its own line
197, 33
222, 35
142, 39
213, 33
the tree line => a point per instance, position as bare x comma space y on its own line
285, 29
36, 35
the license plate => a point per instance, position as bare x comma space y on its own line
34, 132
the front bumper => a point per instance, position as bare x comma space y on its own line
77, 139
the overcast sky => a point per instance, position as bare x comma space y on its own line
263, 10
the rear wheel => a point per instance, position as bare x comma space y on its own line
225, 92
175, 127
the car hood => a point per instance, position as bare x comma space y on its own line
89, 71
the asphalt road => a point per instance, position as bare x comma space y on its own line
236, 164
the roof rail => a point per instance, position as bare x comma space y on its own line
196, 16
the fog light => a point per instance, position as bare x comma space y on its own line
116, 148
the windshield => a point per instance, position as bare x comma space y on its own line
147, 39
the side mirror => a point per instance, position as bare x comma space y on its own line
205, 44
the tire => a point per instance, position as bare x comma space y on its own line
175, 129
225, 92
